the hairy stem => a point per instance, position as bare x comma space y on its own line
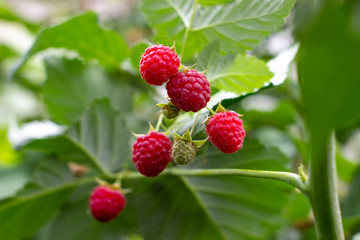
158, 124
194, 124
291, 178
322, 187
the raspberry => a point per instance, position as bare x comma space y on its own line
158, 64
151, 153
189, 91
184, 152
106, 203
226, 131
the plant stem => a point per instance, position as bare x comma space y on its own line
291, 178
158, 124
194, 124
210, 110
322, 187
188, 28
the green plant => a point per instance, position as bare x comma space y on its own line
98, 96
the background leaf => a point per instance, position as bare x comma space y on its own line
234, 73
51, 185
72, 86
84, 35
100, 138
239, 25
213, 2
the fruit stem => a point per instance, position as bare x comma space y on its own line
158, 124
194, 124
188, 28
210, 110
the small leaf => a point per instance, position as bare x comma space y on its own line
234, 73
84, 35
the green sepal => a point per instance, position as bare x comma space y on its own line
151, 128
162, 105
187, 136
177, 136
220, 108
199, 143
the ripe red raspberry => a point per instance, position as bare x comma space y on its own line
158, 64
151, 153
226, 131
189, 91
106, 203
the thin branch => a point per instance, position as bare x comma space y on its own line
291, 178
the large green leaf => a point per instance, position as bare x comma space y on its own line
100, 138
23, 214
234, 73
221, 207
331, 89
240, 25
84, 35
72, 86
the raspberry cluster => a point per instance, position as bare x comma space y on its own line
188, 90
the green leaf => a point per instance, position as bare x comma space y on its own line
99, 139
350, 206
34, 205
298, 209
331, 89
84, 35
239, 25
218, 207
72, 86
345, 168
8, 15
6, 52
234, 73
213, 2
136, 53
